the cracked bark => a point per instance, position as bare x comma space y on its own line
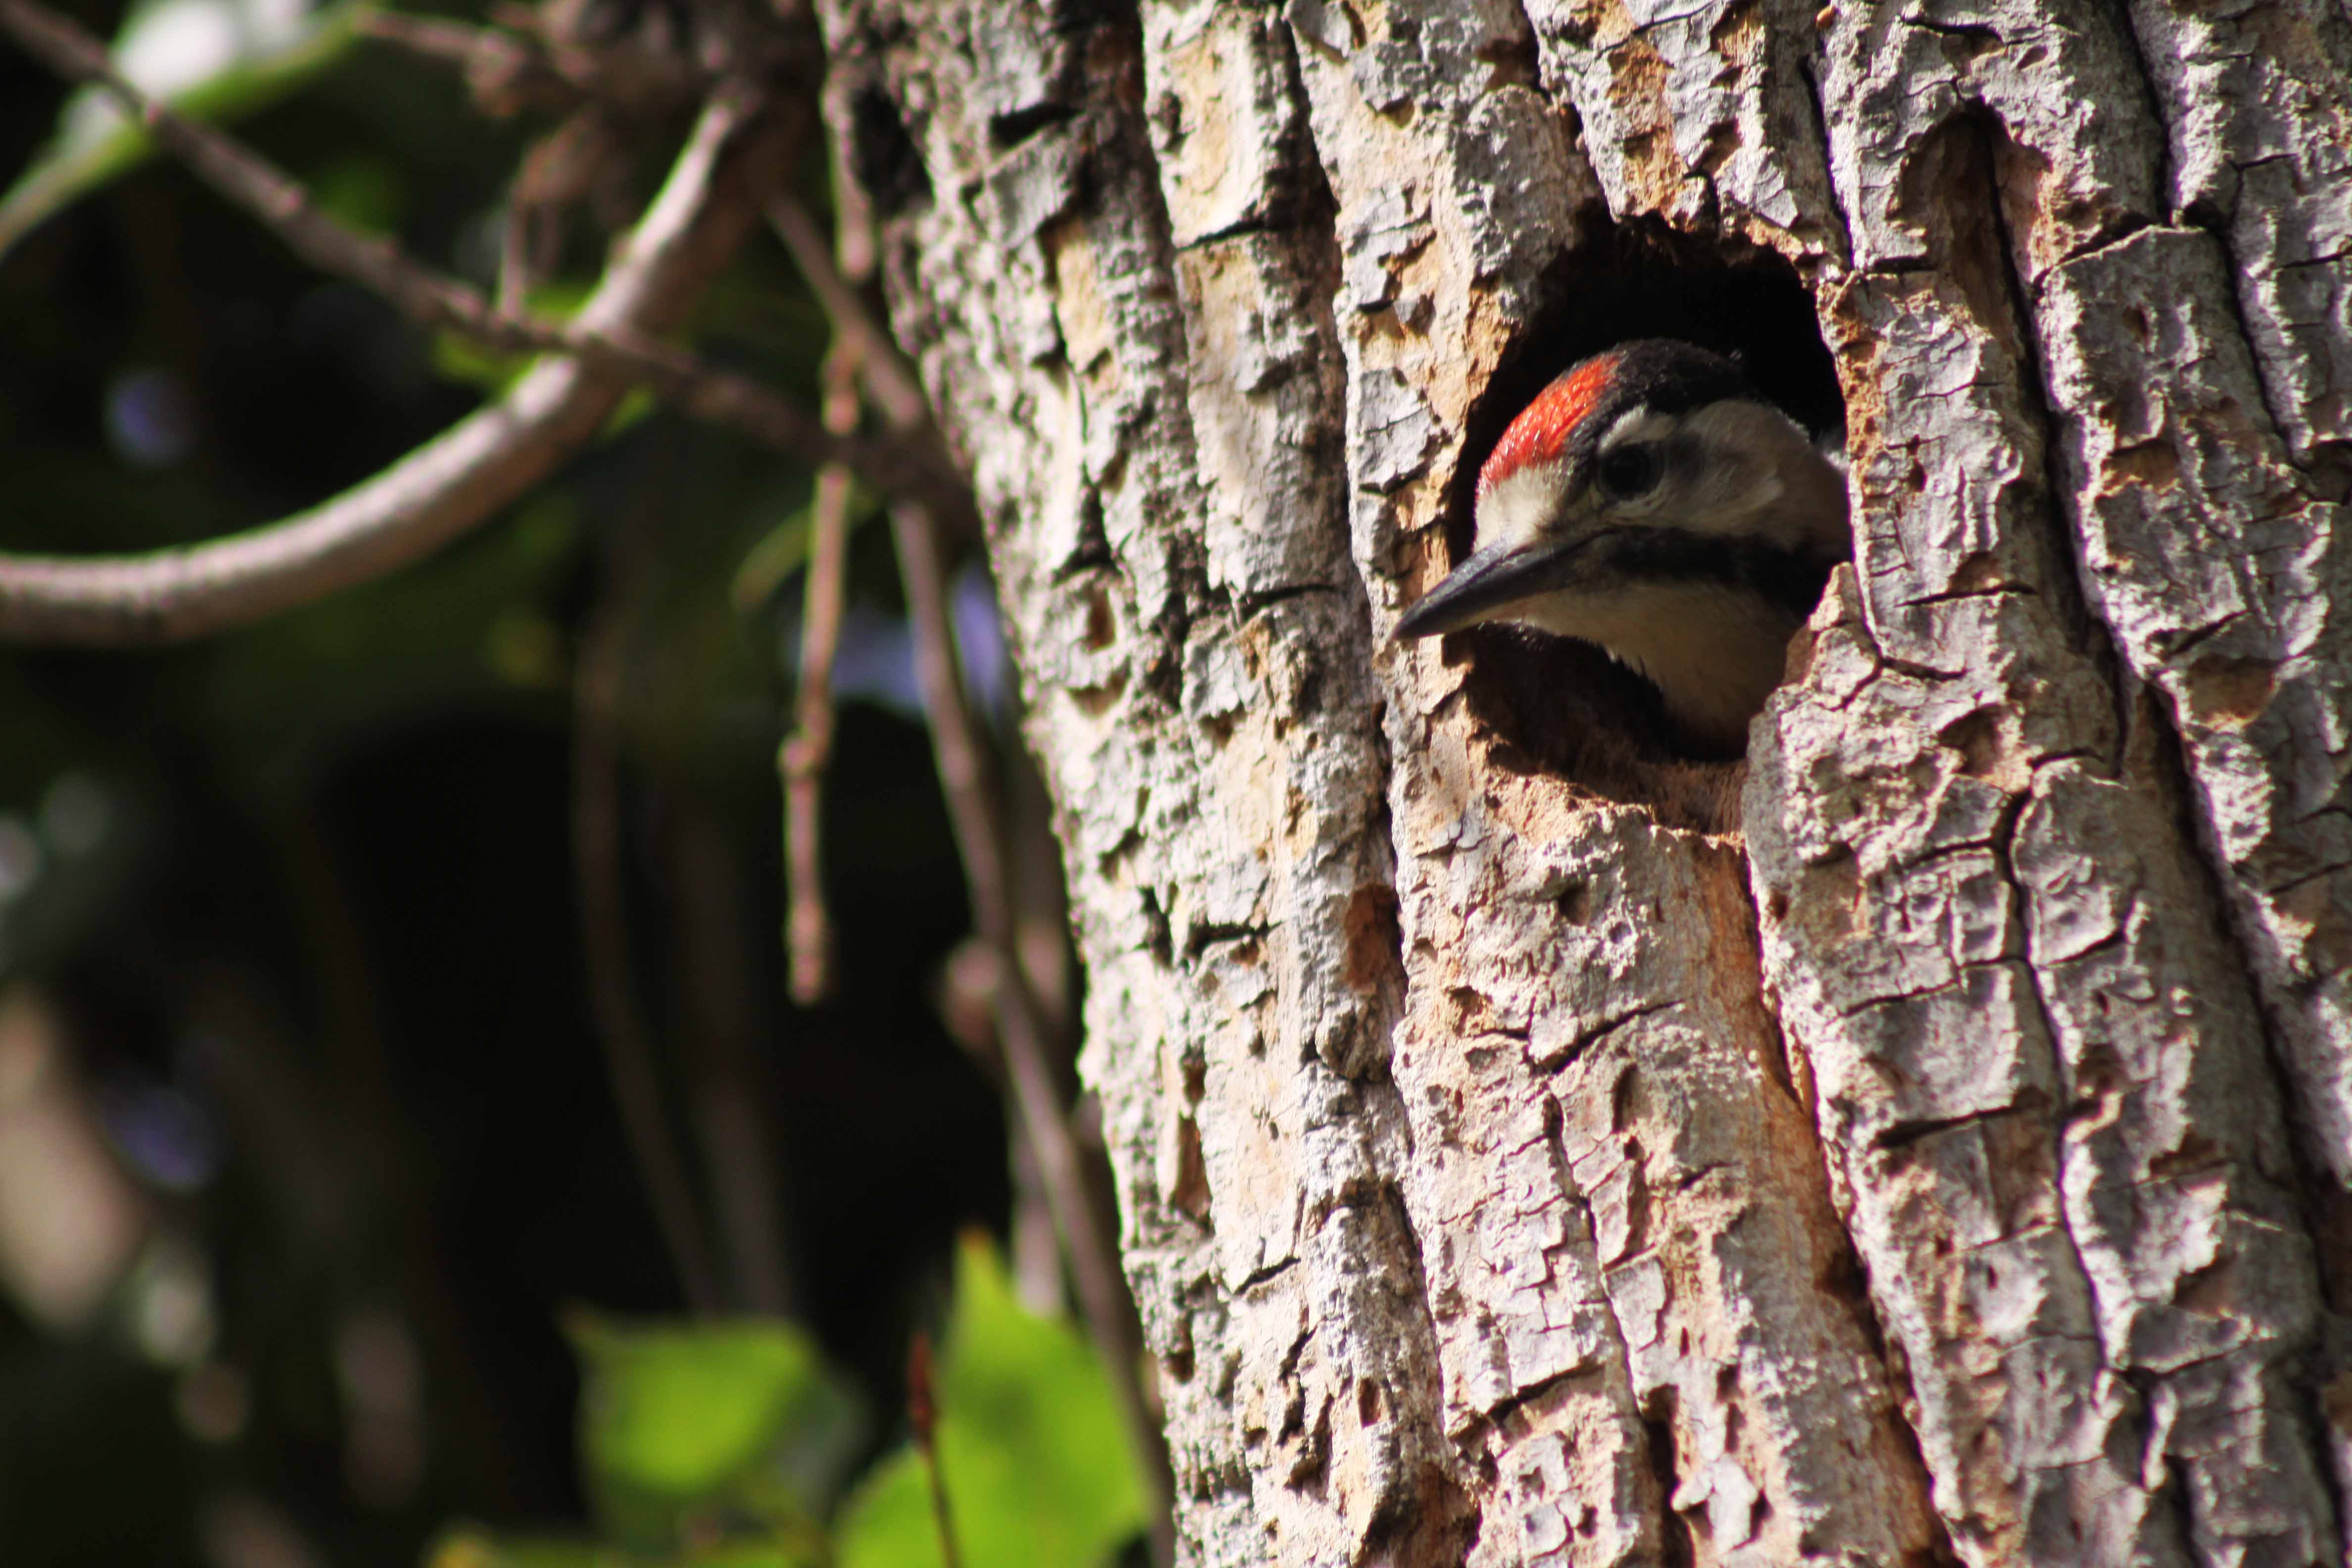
1512, 1169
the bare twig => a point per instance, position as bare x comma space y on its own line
967, 1006
460, 478
808, 750
511, 69
438, 491
374, 1135
461, 43
517, 65
515, 257
719, 1027
862, 354
596, 843
978, 817
889, 384
1046, 958
922, 1420
432, 298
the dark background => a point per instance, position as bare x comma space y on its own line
298, 903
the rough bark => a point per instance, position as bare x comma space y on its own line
1518, 1163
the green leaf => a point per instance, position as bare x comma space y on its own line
888, 1522
364, 192
479, 1549
784, 550
776, 556
1039, 1470
211, 59
471, 1548
709, 1422
460, 359
758, 1554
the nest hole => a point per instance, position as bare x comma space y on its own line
1564, 707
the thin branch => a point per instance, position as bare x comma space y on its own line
505, 71
596, 844
515, 247
439, 490
808, 750
978, 817
922, 1421
432, 298
889, 382
967, 1006
510, 69
454, 481
863, 354
719, 1027
374, 1135
461, 43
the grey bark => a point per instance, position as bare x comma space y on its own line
1519, 1162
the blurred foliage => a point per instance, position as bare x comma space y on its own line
723, 1444
460, 359
297, 907
1037, 1463
214, 59
680, 1423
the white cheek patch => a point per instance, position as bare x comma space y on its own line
1520, 507
1736, 476
1727, 471
1728, 497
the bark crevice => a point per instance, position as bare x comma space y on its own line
1511, 1221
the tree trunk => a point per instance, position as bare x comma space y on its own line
1518, 1161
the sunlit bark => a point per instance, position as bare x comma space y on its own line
1519, 1160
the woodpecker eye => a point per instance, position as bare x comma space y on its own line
1630, 471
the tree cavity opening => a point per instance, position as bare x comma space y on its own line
1564, 707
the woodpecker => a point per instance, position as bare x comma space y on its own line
1649, 501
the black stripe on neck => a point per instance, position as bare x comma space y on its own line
1790, 579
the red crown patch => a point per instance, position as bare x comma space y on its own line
1542, 429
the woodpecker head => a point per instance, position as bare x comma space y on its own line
1651, 502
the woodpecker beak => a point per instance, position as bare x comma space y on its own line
1494, 579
